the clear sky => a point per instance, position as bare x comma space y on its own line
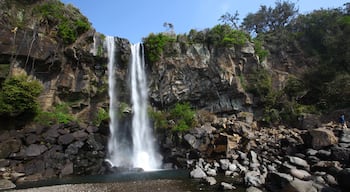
135, 19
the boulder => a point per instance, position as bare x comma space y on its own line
9, 146
298, 162
65, 139
31, 138
319, 138
340, 154
6, 184
210, 180
276, 181
300, 186
67, 169
198, 173
300, 174
343, 178
253, 189
227, 186
35, 150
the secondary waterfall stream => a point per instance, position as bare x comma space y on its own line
140, 151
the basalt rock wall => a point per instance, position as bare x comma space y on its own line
208, 78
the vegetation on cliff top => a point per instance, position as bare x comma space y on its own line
68, 19
320, 37
55, 19
221, 35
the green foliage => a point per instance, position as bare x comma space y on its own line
224, 35
259, 49
294, 87
102, 115
269, 19
100, 51
260, 83
323, 35
60, 114
159, 119
68, 19
337, 92
195, 36
155, 45
183, 116
19, 95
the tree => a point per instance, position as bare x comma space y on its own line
169, 28
228, 19
270, 19
19, 95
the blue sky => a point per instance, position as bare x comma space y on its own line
135, 19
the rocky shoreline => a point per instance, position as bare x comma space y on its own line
259, 158
281, 159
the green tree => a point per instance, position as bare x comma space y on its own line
19, 95
224, 35
323, 35
270, 19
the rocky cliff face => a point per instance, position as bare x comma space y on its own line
208, 78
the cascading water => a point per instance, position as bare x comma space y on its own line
133, 148
144, 155
119, 148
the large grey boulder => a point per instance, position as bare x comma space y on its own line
6, 184
319, 138
198, 173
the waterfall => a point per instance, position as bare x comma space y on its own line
144, 154
119, 148
131, 146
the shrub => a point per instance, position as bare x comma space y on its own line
260, 83
159, 119
294, 87
183, 116
60, 114
68, 19
155, 45
19, 95
195, 36
224, 35
259, 49
102, 115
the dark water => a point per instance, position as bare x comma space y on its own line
182, 175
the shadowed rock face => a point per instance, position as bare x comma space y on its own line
209, 78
